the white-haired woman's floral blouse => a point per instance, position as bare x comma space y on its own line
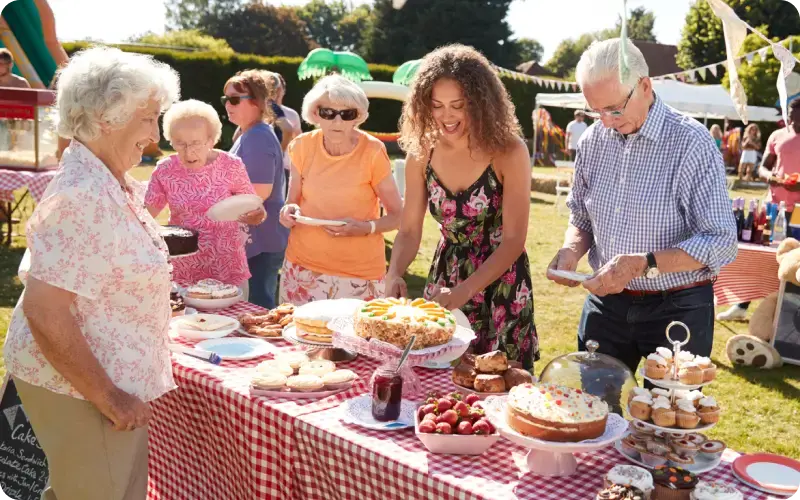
90, 236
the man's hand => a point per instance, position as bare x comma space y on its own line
616, 275
566, 259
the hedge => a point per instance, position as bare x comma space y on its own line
203, 75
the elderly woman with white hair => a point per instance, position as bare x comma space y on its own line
192, 181
650, 206
87, 342
339, 173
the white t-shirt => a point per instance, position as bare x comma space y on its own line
294, 120
575, 129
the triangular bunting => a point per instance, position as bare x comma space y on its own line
624, 65
787, 65
763, 53
702, 72
750, 57
713, 70
735, 32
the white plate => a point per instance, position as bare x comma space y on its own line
676, 430
212, 304
569, 275
308, 221
237, 348
700, 465
290, 335
188, 333
242, 331
230, 209
358, 411
287, 394
671, 384
446, 362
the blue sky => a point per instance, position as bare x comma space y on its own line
548, 21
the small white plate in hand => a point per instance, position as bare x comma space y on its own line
569, 275
308, 221
230, 209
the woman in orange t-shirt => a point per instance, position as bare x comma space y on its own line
338, 173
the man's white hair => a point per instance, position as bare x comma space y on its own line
193, 109
601, 61
105, 85
340, 92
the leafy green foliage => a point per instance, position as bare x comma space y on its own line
193, 39
529, 50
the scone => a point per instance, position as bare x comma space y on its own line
275, 365
655, 367
339, 379
270, 381
663, 415
490, 383
293, 359
305, 383
686, 415
690, 373
641, 407
320, 367
464, 375
516, 376
709, 410
491, 362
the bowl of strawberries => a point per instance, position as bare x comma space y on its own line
454, 424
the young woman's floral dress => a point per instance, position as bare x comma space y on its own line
472, 228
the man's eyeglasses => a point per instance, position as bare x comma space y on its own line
234, 99
347, 115
616, 113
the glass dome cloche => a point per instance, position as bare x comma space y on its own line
598, 374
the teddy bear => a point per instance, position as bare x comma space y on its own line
756, 349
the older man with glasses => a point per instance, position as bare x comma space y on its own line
651, 208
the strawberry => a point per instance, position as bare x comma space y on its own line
450, 416
489, 424
429, 409
427, 426
462, 409
443, 404
456, 395
478, 405
464, 428
481, 427
430, 416
471, 399
444, 428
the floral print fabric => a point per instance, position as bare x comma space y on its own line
472, 228
300, 286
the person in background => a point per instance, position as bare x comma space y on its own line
575, 130
653, 214
295, 128
246, 97
192, 181
781, 158
338, 173
751, 145
87, 341
7, 77
468, 165
716, 133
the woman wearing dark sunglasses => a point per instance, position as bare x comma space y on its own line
246, 97
338, 173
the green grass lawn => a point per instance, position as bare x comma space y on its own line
761, 408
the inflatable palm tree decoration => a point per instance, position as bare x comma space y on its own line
406, 72
320, 62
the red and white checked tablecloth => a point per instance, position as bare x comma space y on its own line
210, 439
752, 276
36, 182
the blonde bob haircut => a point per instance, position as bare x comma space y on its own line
339, 92
189, 109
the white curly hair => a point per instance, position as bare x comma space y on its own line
193, 108
106, 85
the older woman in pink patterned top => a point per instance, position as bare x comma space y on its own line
193, 180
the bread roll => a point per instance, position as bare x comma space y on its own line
516, 376
490, 383
491, 362
464, 375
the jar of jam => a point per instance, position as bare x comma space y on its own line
387, 394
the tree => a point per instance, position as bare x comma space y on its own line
334, 25
187, 14
529, 50
395, 36
702, 39
261, 29
193, 39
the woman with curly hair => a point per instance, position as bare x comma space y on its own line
467, 163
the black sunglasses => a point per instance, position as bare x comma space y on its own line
234, 99
347, 115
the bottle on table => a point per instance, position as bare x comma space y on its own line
387, 394
766, 234
749, 223
739, 217
779, 226
760, 219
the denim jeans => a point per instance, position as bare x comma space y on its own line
264, 269
629, 328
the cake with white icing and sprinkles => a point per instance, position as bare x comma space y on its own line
555, 413
396, 320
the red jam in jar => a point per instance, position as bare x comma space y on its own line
387, 395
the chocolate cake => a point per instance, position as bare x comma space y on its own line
179, 240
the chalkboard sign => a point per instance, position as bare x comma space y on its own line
23, 466
787, 323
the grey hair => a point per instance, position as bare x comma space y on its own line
340, 92
193, 109
601, 61
105, 85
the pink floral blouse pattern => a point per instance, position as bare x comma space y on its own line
189, 194
91, 237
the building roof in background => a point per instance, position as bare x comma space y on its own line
533, 68
660, 57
